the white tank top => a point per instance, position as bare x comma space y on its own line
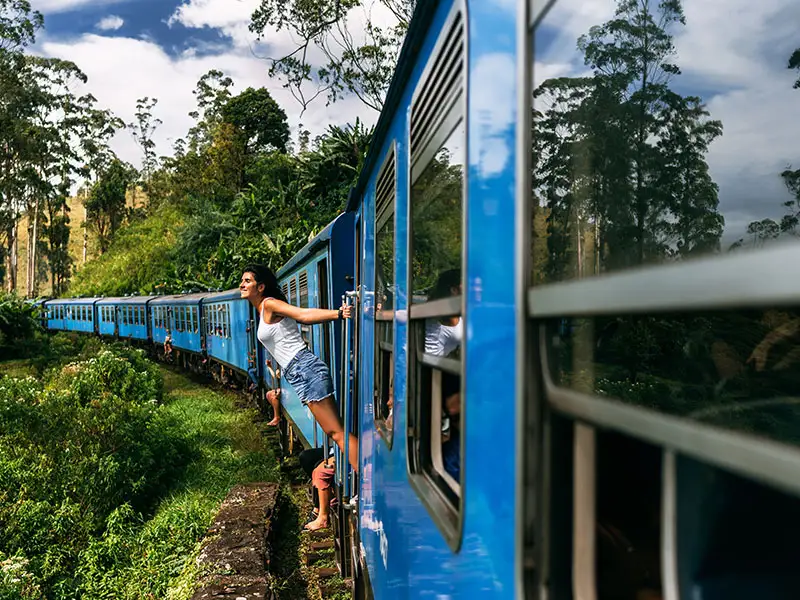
281, 339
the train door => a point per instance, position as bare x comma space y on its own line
116, 313
346, 519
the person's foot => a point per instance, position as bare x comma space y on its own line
316, 524
275, 422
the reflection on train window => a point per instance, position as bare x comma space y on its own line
649, 161
437, 160
738, 370
385, 195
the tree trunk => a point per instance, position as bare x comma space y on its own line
33, 243
85, 225
11, 260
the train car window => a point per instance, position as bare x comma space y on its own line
385, 194
661, 421
436, 225
285, 289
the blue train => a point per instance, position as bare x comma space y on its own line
543, 409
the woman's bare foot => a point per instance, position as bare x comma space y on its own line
275, 422
316, 524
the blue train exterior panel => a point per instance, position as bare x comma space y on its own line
125, 317
72, 314
229, 331
406, 553
180, 316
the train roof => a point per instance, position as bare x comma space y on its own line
233, 294
415, 37
73, 300
126, 300
180, 298
321, 238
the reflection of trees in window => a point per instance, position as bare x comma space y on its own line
619, 169
384, 265
436, 200
733, 369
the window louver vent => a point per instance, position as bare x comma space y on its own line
285, 289
293, 289
385, 188
443, 86
303, 290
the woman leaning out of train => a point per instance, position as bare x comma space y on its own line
279, 333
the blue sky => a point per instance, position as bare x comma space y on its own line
136, 18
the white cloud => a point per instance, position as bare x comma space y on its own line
110, 23
122, 69
56, 6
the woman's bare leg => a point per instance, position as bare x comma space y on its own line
327, 415
273, 397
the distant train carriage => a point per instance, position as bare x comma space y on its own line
71, 314
180, 316
124, 317
317, 276
230, 332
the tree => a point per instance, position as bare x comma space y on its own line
212, 94
105, 206
258, 119
142, 131
363, 67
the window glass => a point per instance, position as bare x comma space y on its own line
436, 253
733, 369
436, 219
384, 297
638, 162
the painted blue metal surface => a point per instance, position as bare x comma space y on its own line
75, 314
406, 555
228, 326
183, 321
130, 317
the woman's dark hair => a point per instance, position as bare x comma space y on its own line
445, 283
264, 275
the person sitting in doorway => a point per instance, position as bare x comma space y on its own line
322, 480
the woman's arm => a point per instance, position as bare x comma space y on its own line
306, 316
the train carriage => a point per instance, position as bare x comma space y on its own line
230, 329
125, 317
71, 314
178, 315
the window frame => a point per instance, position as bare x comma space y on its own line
448, 518
380, 321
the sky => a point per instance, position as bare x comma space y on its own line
160, 48
734, 55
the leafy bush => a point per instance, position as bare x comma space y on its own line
16, 582
18, 323
74, 451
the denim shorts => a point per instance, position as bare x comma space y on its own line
309, 377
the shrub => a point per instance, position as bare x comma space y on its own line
74, 450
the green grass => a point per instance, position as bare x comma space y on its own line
156, 558
17, 368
